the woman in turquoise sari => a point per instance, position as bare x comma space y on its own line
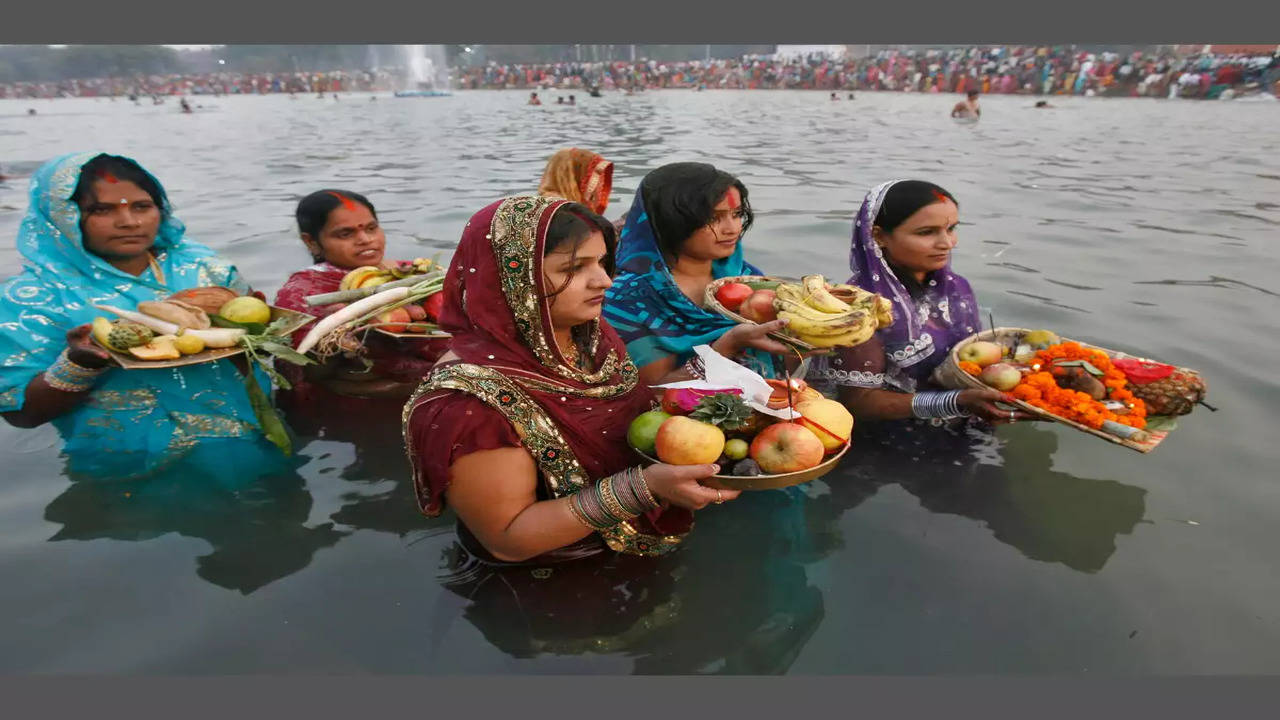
684, 230
100, 229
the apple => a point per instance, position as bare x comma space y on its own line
736, 449
828, 419
394, 320
1001, 376
759, 307
981, 353
786, 447
416, 312
731, 295
433, 305
684, 441
644, 430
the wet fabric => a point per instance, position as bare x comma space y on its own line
134, 421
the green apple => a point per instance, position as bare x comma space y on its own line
644, 430
736, 449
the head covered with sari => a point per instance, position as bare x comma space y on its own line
645, 305
926, 325
144, 418
573, 421
578, 175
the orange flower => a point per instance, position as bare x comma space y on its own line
1041, 389
971, 368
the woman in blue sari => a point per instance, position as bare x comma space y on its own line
684, 230
100, 229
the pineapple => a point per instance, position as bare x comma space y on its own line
1175, 394
724, 410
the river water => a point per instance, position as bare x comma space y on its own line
1146, 225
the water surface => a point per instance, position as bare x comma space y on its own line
1146, 225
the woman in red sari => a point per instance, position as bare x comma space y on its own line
341, 231
522, 426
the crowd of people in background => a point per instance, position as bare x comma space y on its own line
222, 83
1031, 70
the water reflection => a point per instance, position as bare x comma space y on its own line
257, 526
371, 430
1007, 483
735, 600
738, 598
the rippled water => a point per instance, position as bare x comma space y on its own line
1145, 225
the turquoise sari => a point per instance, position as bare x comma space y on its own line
133, 422
651, 313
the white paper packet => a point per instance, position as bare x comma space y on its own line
723, 373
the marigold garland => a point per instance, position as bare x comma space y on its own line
1041, 389
971, 367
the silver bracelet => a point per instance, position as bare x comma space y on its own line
943, 404
695, 367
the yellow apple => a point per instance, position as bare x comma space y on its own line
685, 441
828, 419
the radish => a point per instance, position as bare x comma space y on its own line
354, 311
212, 337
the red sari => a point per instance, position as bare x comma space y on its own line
513, 388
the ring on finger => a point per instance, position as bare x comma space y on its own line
719, 496
1011, 416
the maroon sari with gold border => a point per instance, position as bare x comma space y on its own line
573, 421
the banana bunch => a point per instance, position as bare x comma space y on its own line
823, 316
371, 275
365, 276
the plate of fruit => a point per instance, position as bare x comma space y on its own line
819, 314
1127, 400
755, 450
194, 326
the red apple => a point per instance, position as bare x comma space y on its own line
394, 320
433, 305
1001, 376
759, 307
786, 447
684, 441
731, 295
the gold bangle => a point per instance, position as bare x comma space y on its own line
643, 485
610, 500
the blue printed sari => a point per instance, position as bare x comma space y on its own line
648, 309
133, 421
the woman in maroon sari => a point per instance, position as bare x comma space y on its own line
522, 426
341, 231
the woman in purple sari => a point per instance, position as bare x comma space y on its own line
902, 243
